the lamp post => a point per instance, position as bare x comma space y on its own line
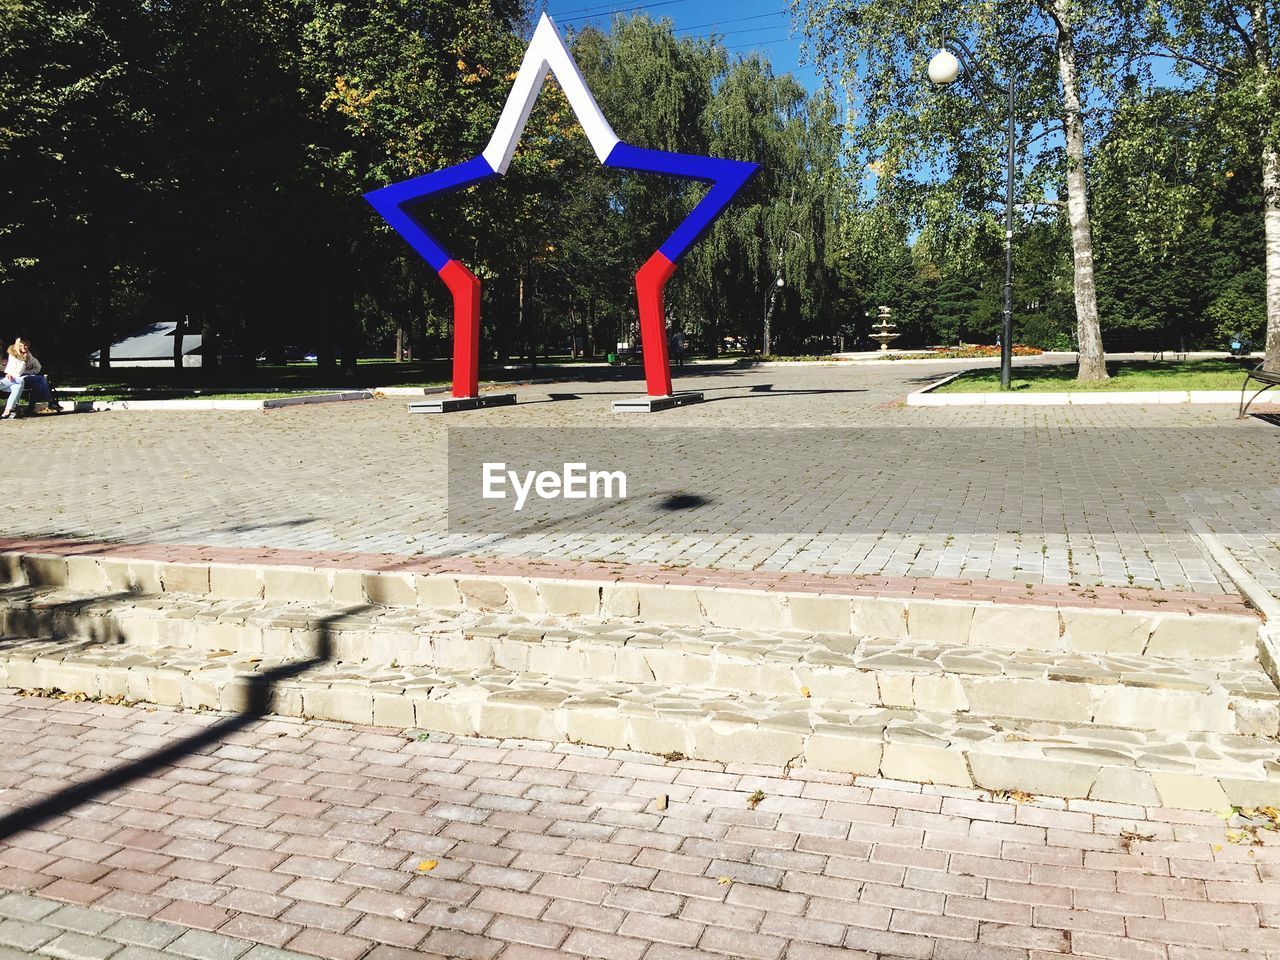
767, 332
944, 68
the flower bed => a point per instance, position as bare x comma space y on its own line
975, 350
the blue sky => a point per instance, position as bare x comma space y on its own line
746, 25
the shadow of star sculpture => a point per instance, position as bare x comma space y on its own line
547, 53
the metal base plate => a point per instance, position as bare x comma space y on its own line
454, 404
654, 404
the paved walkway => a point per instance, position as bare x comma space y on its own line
1093, 496
128, 830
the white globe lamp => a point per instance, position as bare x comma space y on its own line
944, 67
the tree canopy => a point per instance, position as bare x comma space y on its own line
205, 160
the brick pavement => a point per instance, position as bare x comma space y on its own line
858, 585
367, 477
347, 842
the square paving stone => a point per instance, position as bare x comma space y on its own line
80, 919
200, 945
25, 935
143, 933
19, 906
78, 946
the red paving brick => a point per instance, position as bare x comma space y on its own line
897, 871
860, 585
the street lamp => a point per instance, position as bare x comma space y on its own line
772, 295
768, 317
945, 68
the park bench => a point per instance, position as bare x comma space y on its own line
1268, 379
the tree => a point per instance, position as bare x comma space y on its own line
389, 89
1176, 213
70, 139
1234, 48
1089, 338
207, 158
684, 94
955, 307
906, 134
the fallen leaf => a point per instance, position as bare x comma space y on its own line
1245, 838
427, 865
723, 880
1128, 837
804, 692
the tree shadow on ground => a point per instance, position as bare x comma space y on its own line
257, 705
763, 391
274, 525
754, 390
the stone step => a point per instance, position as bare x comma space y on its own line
1199, 770
1129, 690
1143, 703
1212, 630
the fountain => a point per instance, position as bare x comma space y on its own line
884, 329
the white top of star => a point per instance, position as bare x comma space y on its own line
547, 53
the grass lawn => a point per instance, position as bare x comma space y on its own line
1140, 375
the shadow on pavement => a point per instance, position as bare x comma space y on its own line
763, 391
257, 706
682, 501
44, 620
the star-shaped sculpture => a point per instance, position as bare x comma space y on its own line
547, 53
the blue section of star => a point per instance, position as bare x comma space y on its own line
390, 202
726, 176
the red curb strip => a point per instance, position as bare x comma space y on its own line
898, 588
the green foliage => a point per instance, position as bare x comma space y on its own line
1176, 213
1240, 307
206, 159
1127, 375
955, 306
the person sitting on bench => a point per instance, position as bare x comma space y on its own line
23, 366
14, 389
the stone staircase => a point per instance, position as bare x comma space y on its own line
1132, 705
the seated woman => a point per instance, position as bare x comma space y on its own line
23, 367
14, 389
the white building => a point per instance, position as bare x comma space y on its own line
152, 346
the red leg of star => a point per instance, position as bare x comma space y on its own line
653, 276
465, 287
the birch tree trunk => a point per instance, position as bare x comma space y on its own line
1262, 42
1271, 213
1092, 363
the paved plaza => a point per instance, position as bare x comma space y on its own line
131, 831
1107, 495
215, 839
